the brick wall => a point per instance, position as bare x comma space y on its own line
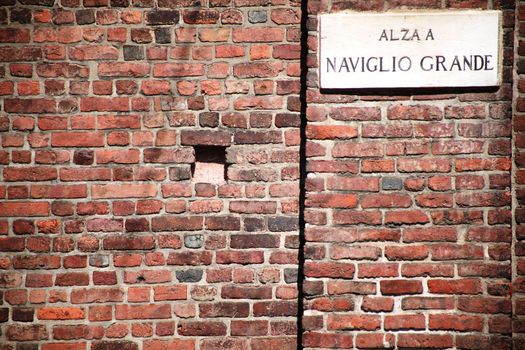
518, 288
119, 228
408, 235
152, 171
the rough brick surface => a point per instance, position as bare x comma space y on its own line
107, 241
518, 292
408, 210
108, 108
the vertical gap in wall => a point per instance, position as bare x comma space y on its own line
514, 203
302, 170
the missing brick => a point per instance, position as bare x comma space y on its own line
210, 165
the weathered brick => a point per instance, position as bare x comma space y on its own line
409, 205
161, 17
257, 35
178, 69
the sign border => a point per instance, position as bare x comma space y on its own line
412, 13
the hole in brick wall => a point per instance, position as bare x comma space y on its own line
210, 165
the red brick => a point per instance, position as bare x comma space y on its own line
20, 54
257, 69
322, 200
29, 174
202, 328
22, 332
427, 269
64, 346
245, 292
72, 279
407, 321
190, 258
177, 69
375, 340
329, 269
424, 165
358, 150
421, 112
401, 287
224, 309
151, 311
104, 104
452, 322
286, 16
353, 322
377, 304
427, 303
129, 242
239, 257
123, 191
58, 191
14, 35
459, 286
257, 35
77, 139
330, 340
93, 52
327, 132
432, 341
161, 155
175, 223
60, 313
170, 293
277, 343
121, 69
408, 217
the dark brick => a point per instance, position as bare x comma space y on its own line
254, 241
143, 3
180, 3
38, 2
85, 16
26, 346
290, 275
119, 3
257, 16
3, 20
162, 35
180, 173
23, 314
313, 287
84, 157
283, 223
137, 225
201, 16
22, 16
133, 52
391, 183
209, 119
23, 227
283, 120
521, 66
115, 345
189, 275
253, 224
158, 17
4, 314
